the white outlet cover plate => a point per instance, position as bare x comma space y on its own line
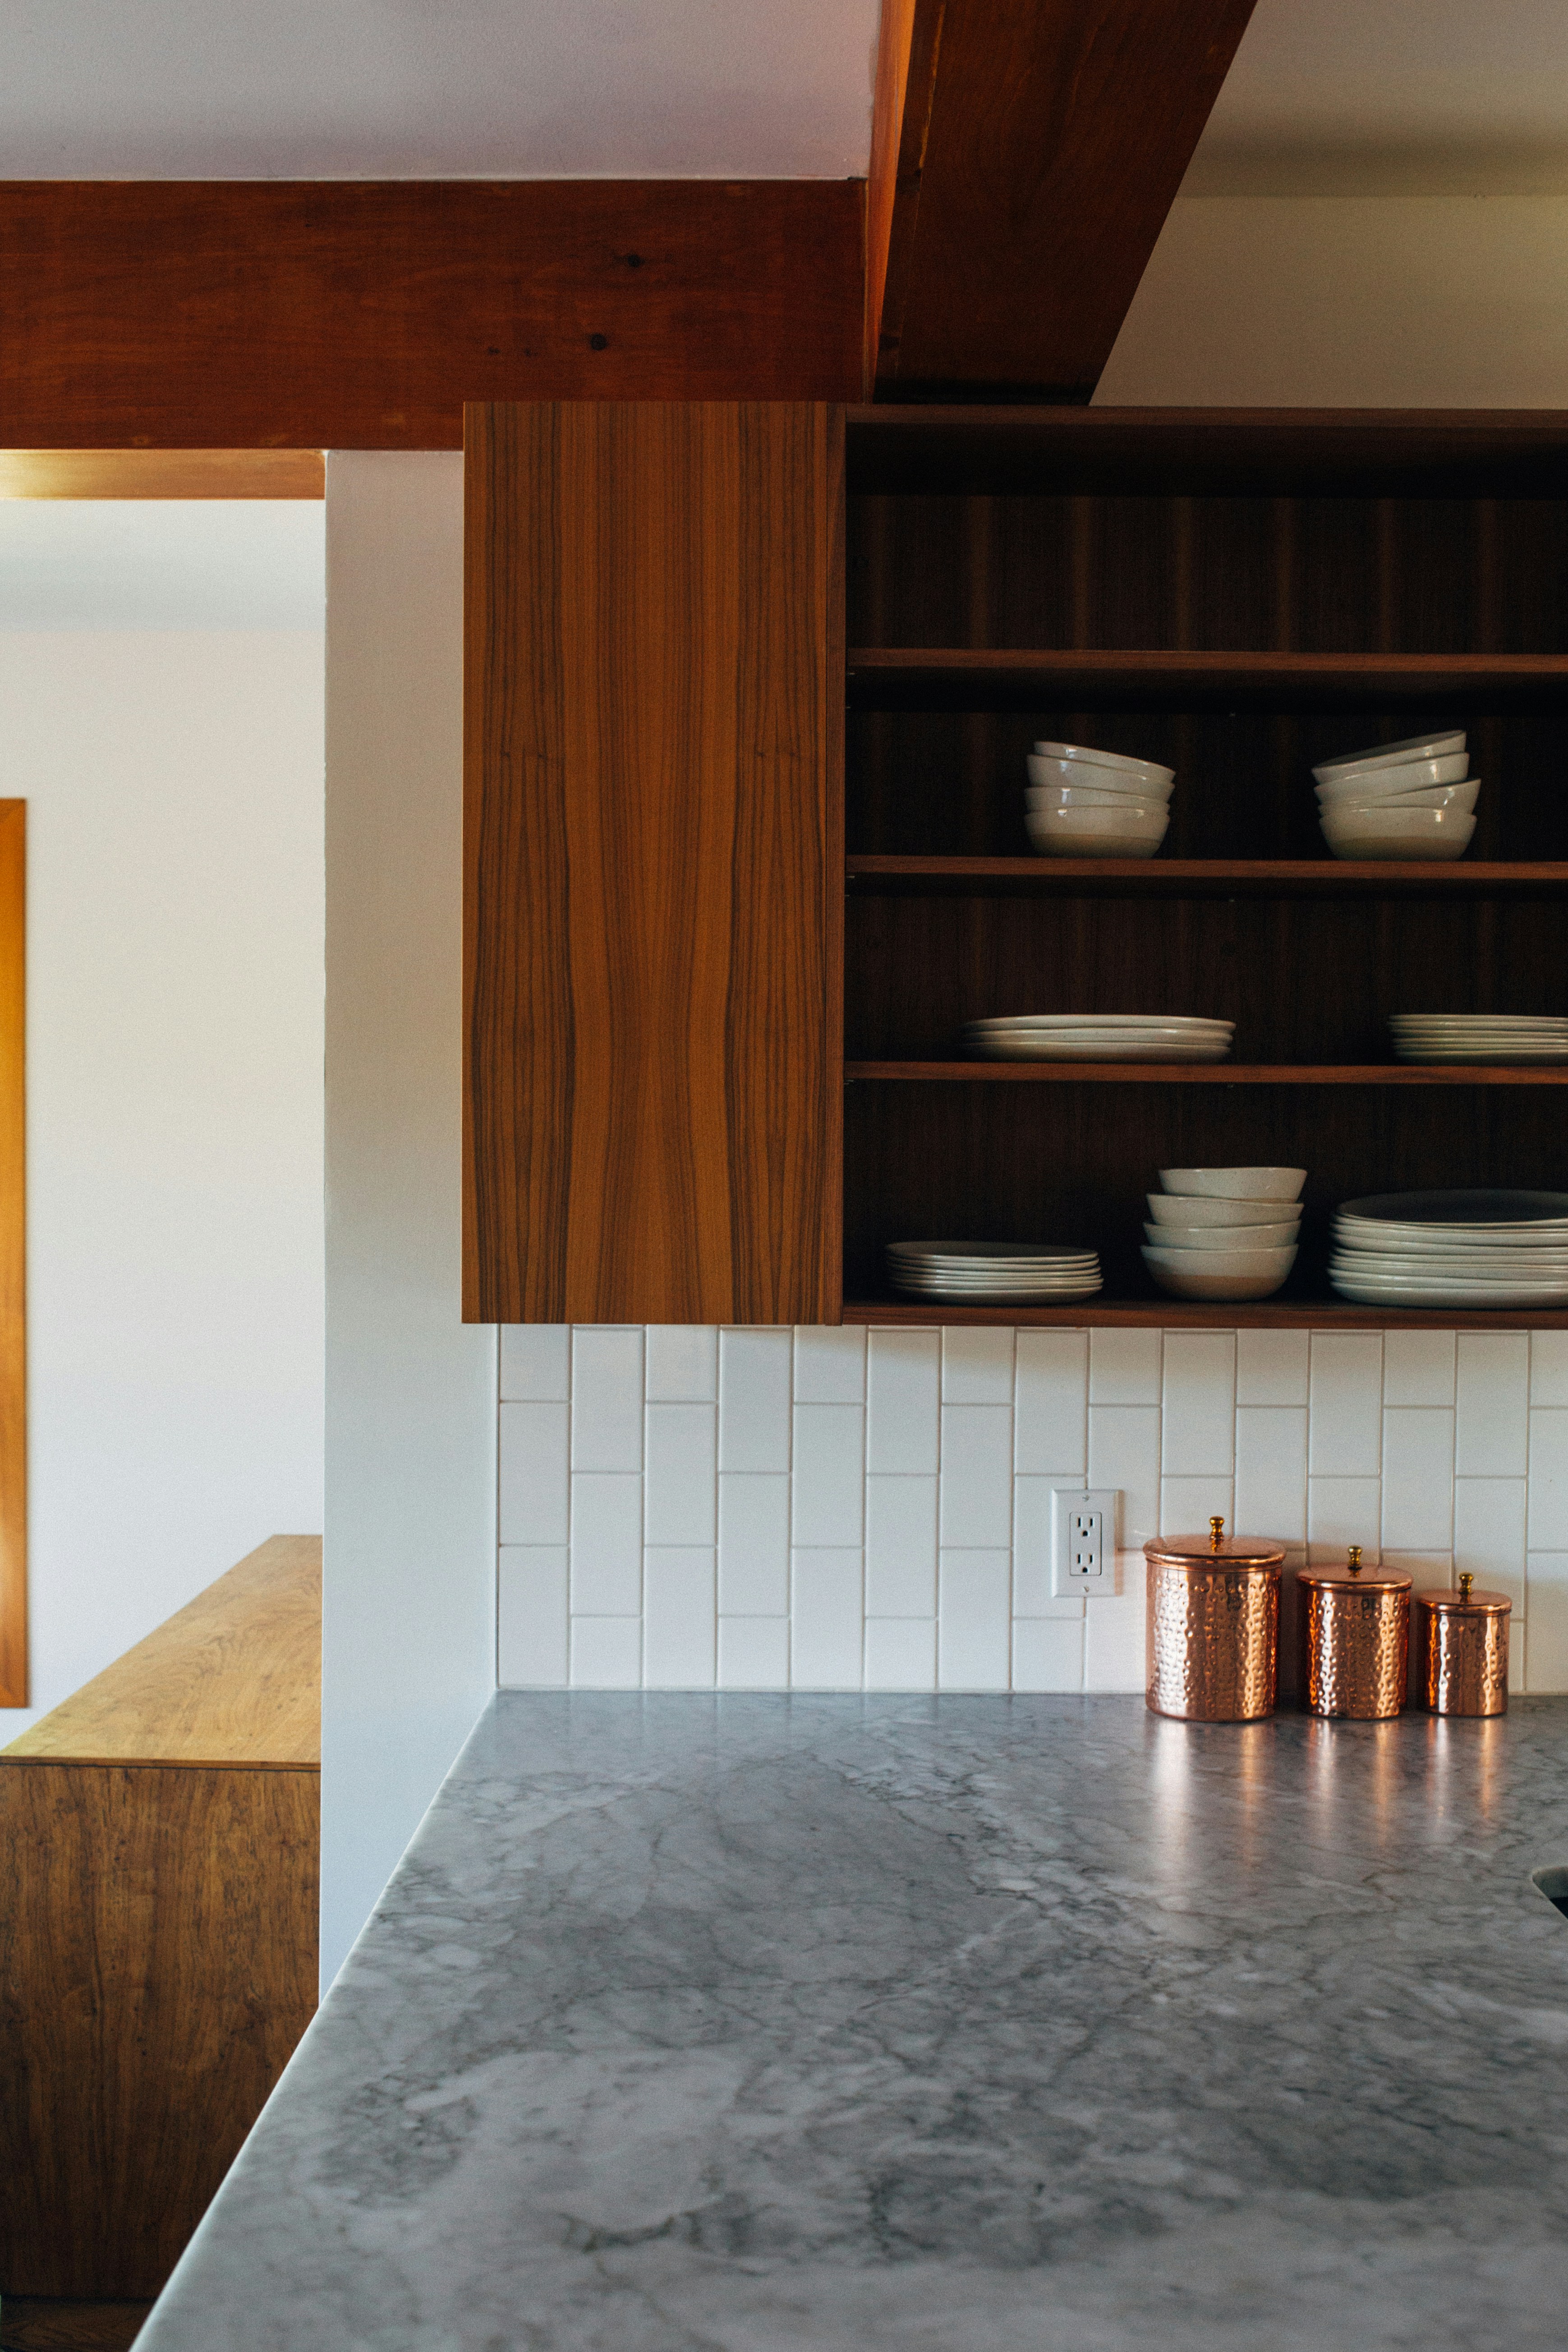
1066, 1503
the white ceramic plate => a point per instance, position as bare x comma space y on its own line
1117, 1047
1367, 1293
1236, 1183
1191, 1209
1496, 1205
1393, 755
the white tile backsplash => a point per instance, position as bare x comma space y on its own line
788, 1533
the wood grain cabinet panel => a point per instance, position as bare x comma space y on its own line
654, 863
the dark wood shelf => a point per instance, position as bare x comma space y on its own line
1186, 1314
1205, 877
969, 678
1210, 1073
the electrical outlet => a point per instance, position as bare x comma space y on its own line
1083, 1539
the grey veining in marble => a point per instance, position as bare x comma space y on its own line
765, 2024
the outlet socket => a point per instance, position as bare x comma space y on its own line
1083, 1540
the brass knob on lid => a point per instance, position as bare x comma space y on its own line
1216, 1533
1352, 1559
1466, 1580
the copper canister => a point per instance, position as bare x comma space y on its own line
1213, 1638
1461, 1650
1355, 1639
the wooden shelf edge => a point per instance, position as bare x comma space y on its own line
1207, 1073
1180, 1314
1264, 876
1165, 662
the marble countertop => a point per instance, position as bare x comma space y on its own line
765, 2024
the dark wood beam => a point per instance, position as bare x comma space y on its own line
1024, 156
168, 314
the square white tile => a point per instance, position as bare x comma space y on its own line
829, 1364
1050, 1422
754, 1654
1418, 1477
903, 1378
1187, 1505
1549, 1368
532, 1474
973, 1621
679, 1618
1271, 1472
1114, 1633
1488, 1534
1198, 1405
1546, 1623
1047, 1653
680, 1477
682, 1363
1492, 1431
536, 1363
827, 1619
1340, 1512
754, 1370
827, 1492
977, 1364
606, 1545
1549, 1479
606, 1398
530, 1616
1124, 1366
1124, 1452
977, 1473
606, 1652
1271, 1367
753, 1544
900, 1653
900, 1546
1346, 1402
1417, 1367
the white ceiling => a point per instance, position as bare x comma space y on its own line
445, 88
162, 563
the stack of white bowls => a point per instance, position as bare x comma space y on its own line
1100, 1037
998, 1272
1529, 1038
1413, 799
1085, 804
1223, 1232
1453, 1249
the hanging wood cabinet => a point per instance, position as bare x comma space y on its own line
740, 869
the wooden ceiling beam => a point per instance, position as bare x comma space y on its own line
1025, 154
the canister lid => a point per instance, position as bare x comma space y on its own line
1349, 1576
1217, 1549
1466, 1602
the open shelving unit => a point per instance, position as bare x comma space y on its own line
1240, 597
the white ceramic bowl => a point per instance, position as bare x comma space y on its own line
1142, 785
1460, 798
1406, 776
1219, 1273
1236, 1183
1223, 1237
1055, 796
1096, 831
1190, 1209
1393, 755
1145, 770
1384, 832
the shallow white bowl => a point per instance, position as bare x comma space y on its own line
1236, 1183
1393, 755
1406, 776
1460, 798
1191, 1209
1095, 832
1053, 796
1215, 1273
1124, 782
1385, 832
1149, 769
1223, 1237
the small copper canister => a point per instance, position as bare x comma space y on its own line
1213, 1638
1355, 1639
1461, 1650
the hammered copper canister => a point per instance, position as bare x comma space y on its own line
1355, 1639
1461, 1650
1213, 1639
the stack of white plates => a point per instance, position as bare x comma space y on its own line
1479, 1036
1453, 1249
1085, 803
1003, 1271
1413, 799
1100, 1037
1223, 1232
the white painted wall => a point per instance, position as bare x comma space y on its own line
1431, 301
173, 783
409, 1632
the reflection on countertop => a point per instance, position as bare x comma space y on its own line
966, 2024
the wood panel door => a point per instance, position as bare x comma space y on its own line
654, 863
